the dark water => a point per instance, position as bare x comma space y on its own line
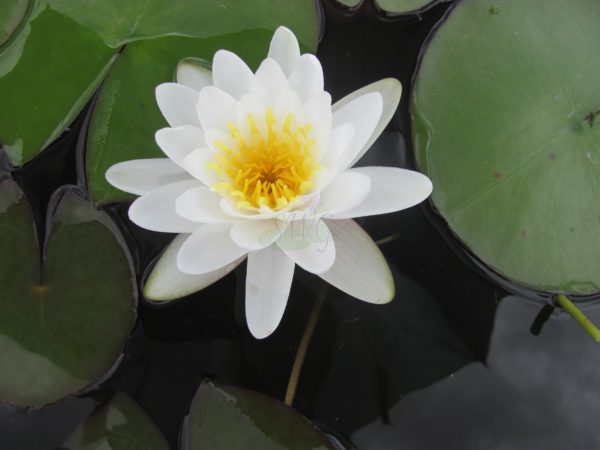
418, 373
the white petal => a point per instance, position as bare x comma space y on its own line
231, 74
179, 142
193, 74
207, 249
268, 282
307, 77
339, 141
346, 191
317, 111
284, 49
309, 244
178, 104
196, 164
140, 176
215, 108
271, 87
360, 269
363, 112
392, 189
156, 210
390, 90
202, 205
257, 234
167, 282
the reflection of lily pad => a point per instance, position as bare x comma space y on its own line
119, 425
230, 418
397, 7
505, 108
55, 60
63, 323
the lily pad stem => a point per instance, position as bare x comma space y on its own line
290, 393
579, 317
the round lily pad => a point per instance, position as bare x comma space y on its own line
119, 425
506, 123
231, 418
65, 312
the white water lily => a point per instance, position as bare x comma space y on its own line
258, 167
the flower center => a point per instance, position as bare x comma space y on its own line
270, 168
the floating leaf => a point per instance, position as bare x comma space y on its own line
398, 7
65, 317
231, 418
506, 123
120, 425
47, 74
12, 13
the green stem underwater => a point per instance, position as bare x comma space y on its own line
290, 393
579, 317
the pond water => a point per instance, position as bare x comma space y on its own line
450, 363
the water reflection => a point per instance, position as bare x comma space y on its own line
535, 392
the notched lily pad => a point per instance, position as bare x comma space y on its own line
231, 418
64, 316
120, 425
506, 124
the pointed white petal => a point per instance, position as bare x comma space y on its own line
257, 234
179, 142
309, 244
231, 74
268, 282
284, 49
177, 104
193, 75
156, 210
140, 176
317, 112
392, 189
390, 90
207, 249
360, 269
307, 77
202, 205
215, 108
363, 112
346, 191
339, 141
167, 282
271, 87
196, 164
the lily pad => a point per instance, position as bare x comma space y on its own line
231, 418
398, 7
65, 315
120, 425
505, 110
126, 116
12, 13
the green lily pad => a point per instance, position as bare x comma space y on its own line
64, 316
398, 7
12, 13
505, 112
120, 425
126, 115
47, 74
231, 418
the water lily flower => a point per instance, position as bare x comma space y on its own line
259, 167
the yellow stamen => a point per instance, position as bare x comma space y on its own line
270, 168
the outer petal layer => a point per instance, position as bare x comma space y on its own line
390, 90
268, 282
156, 210
177, 103
309, 244
207, 249
360, 269
346, 191
193, 74
177, 143
167, 282
140, 176
392, 189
